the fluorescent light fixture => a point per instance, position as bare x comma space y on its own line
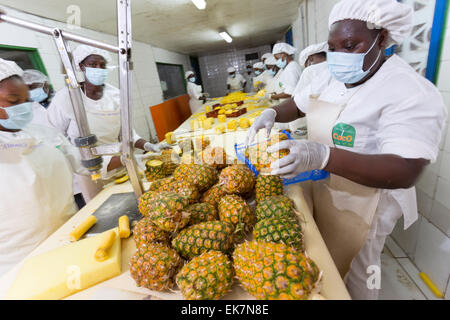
226, 36
200, 4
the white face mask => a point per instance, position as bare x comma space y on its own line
96, 76
348, 67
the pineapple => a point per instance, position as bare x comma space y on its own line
167, 211
212, 235
145, 200
154, 266
215, 157
202, 212
279, 230
213, 195
182, 188
275, 271
234, 210
237, 179
155, 170
261, 159
276, 206
206, 277
146, 232
203, 177
268, 186
158, 185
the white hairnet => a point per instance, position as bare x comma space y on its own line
258, 65
395, 17
188, 74
266, 56
284, 48
231, 69
9, 69
313, 49
271, 61
31, 76
84, 51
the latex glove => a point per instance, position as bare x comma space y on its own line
151, 147
304, 156
164, 145
265, 120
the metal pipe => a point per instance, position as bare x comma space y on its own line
67, 35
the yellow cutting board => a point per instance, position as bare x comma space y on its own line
64, 271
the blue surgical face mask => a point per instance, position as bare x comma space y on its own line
348, 67
193, 79
38, 95
281, 64
18, 116
96, 76
257, 72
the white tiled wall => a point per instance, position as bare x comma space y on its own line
214, 68
428, 242
146, 88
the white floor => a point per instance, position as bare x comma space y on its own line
400, 278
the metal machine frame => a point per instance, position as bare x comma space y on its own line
91, 152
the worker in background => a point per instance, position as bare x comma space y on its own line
260, 80
195, 92
102, 104
284, 53
314, 60
374, 124
248, 76
235, 81
264, 57
36, 172
272, 77
40, 94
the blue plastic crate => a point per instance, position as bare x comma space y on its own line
314, 175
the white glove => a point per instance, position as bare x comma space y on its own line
151, 147
304, 156
164, 145
265, 120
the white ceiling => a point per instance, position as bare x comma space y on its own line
178, 25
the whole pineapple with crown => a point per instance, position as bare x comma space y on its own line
203, 177
212, 235
146, 232
275, 271
268, 186
206, 277
202, 212
154, 266
235, 210
237, 179
279, 230
275, 206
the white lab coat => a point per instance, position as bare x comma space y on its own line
398, 112
248, 82
39, 115
104, 121
195, 92
36, 169
236, 83
290, 77
273, 85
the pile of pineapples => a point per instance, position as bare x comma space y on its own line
196, 234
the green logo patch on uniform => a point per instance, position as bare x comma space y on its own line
344, 135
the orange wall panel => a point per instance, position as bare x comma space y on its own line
170, 114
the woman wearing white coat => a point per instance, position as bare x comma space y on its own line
284, 54
374, 124
36, 170
195, 92
102, 104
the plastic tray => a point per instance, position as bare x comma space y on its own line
314, 175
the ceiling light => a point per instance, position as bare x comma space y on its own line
226, 36
200, 4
